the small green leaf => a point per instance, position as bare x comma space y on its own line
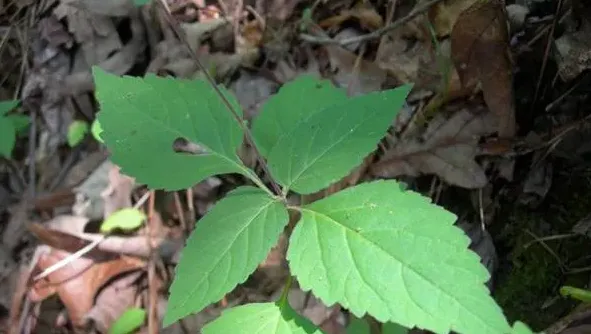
96, 130
263, 318
224, 249
125, 219
325, 146
296, 100
140, 2
378, 249
142, 118
576, 293
521, 328
393, 328
129, 321
76, 132
358, 326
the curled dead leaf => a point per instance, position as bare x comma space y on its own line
447, 149
78, 283
479, 43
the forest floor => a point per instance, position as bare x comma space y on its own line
496, 129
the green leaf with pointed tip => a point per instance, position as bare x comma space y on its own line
132, 319
6, 106
126, 219
324, 147
224, 249
378, 249
296, 100
20, 123
143, 117
263, 318
76, 132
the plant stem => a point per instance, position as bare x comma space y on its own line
285, 292
175, 27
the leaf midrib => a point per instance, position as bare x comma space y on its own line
196, 286
180, 134
314, 160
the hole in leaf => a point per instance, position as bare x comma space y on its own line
182, 145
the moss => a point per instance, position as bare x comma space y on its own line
529, 277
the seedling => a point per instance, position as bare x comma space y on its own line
375, 248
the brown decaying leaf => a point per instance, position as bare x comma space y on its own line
365, 14
78, 283
447, 149
479, 43
444, 14
359, 76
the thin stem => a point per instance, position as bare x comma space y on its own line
285, 292
419, 9
174, 25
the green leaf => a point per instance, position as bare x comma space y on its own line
129, 321
296, 100
76, 132
140, 2
378, 249
7, 137
143, 117
6, 106
521, 328
263, 318
19, 122
96, 130
358, 326
324, 147
393, 328
7, 128
576, 293
226, 246
126, 219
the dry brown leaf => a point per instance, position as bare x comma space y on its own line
444, 14
479, 44
114, 300
358, 76
447, 149
366, 14
117, 195
573, 50
403, 58
78, 283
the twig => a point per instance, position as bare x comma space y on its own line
546, 55
152, 289
375, 34
175, 27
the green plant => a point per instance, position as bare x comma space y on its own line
77, 130
10, 127
375, 248
129, 321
